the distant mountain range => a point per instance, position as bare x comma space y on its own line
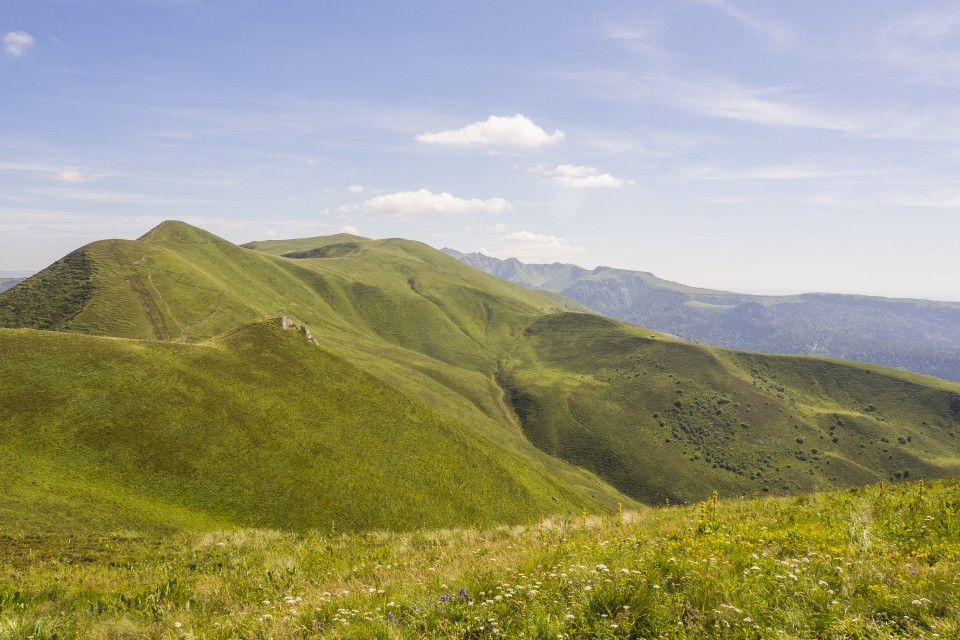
917, 335
6, 283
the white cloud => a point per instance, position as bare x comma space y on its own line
271, 233
499, 227
570, 176
535, 247
349, 228
501, 131
71, 176
768, 29
355, 188
406, 205
16, 43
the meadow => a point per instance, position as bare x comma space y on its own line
874, 562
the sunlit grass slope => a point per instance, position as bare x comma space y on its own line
578, 399
664, 420
257, 428
878, 563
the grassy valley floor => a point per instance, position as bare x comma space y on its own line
877, 562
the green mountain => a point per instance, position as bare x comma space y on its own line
417, 391
917, 335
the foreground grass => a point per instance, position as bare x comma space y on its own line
877, 562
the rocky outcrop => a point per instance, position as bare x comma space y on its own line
289, 325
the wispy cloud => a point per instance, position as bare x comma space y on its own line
406, 205
923, 45
53, 172
771, 173
641, 38
929, 199
16, 43
496, 131
778, 107
769, 29
534, 247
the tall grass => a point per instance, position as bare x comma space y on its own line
878, 562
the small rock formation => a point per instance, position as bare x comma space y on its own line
308, 335
289, 325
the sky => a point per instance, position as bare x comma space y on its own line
743, 145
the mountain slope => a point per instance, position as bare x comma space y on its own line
106, 434
661, 419
916, 335
566, 409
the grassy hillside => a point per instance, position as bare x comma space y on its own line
664, 420
917, 335
878, 563
558, 404
257, 428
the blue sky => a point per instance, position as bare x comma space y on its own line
735, 144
